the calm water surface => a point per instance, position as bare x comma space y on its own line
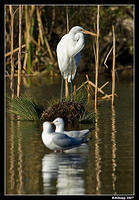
104, 166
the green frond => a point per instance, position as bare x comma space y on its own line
25, 107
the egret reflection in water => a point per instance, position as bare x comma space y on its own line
63, 172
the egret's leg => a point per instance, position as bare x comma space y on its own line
71, 89
61, 96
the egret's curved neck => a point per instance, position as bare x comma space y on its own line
77, 44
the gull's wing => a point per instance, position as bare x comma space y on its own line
64, 141
77, 134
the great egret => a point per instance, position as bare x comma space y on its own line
68, 54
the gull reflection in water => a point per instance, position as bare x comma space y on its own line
63, 172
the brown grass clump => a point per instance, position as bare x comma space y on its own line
69, 111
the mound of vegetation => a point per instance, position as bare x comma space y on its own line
69, 111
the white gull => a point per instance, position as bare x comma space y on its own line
59, 123
58, 141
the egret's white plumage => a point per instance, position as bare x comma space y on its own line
68, 52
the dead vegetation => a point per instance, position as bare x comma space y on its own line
69, 111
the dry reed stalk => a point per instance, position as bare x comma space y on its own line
67, 16
49, 49
28, 17
41, 31
94, 49
40, 26
19, 53
97, 58
25, 61
27, 36
107, 57
108, 96
113, 67
83, 84
66, 80
92, 84
88, 93
104, 85
15, 50
94, 52
12, 58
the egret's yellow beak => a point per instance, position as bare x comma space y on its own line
88, 32
52, 123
